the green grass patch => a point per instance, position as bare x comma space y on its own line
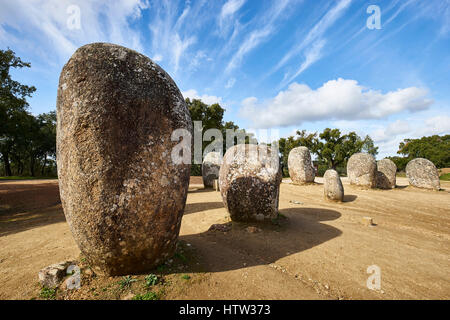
47, 293
445, 177
151, 280
185, 277
126, 282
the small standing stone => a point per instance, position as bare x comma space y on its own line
333, 189
361, 170
386, 174
422, 173
210, 168
300, 166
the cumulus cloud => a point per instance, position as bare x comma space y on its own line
339, 99
193, 94
393, 129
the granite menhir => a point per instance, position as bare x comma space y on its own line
122, 195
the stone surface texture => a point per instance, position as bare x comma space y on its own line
386, 174
210, 168
422, 173
52, 276
122, 195
249, 179
300, 166
332, 187
361, 170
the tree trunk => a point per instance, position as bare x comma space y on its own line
32, 162
43, 166
7, 164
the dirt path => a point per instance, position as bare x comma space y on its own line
319, 250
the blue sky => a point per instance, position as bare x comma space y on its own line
285, 64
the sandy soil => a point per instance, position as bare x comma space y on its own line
316, 250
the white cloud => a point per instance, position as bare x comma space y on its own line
335, 100
313, 54
169, 35
226, 18
393, 129
105, 21
193, 94
436, 125
316, 33
258, 35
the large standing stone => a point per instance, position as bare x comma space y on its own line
333, 189
123, 196
301, 170
210, 168
361, 170
386, 174
249, 179
422, 173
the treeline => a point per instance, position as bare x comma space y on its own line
27, 143
331, 148
434, 148
211, 117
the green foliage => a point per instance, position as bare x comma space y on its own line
434, 148
445, 177
147, 296
151, 280
126, 282
368, 146
47, 293
321, 170
331, 148
27, 142
211, 117
335, 149
185, 277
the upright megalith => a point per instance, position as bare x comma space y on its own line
422, 173
301, 170
122, 193
210, 168
386, 174
332, 187
249, 180
361, 170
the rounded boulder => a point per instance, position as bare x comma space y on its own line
361, 170
300, 166
333, 188
122, 194
422, 173
249, 179
386, 174
210, 168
